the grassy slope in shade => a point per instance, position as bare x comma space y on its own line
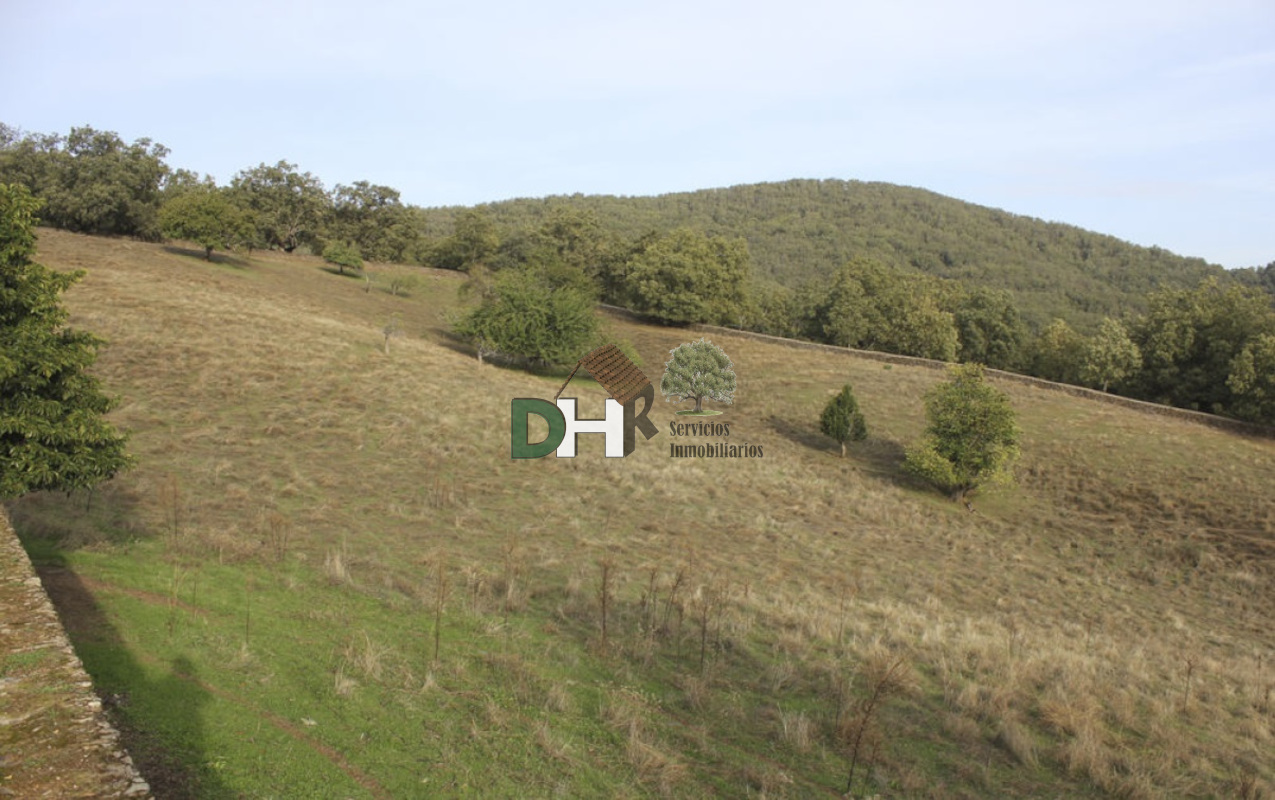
257, 599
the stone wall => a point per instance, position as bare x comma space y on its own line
1211, 420
55, 740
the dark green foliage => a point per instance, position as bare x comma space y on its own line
288, 206
989, 328
209, 217
872, 307
971, 438
473, 243
842, 420
521, 318
52, 431
1259, 277
774, 309
343, 256
1057, 354
180, 181
374, 219
1190, 339
91, 181
1252, 381
573, 238
686, 276
698, 370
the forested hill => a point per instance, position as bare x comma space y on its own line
803, 229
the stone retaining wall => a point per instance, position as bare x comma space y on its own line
55, 740
1211, 420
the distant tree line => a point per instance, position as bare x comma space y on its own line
916, 273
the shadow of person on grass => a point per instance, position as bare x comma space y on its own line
159, 718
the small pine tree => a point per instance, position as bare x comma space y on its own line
52, 434
842, 420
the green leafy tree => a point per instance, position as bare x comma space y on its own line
1190, 339
773, 309
1110, 356
343, 256
473, 243
989, 328
376, 221
1057, 354
288, 206
1252, 381
52, 431
873, 307
180, 181
521, 318
208, 217
574, 238
686, 276
91, 181
842, 420
971, 438
698, 370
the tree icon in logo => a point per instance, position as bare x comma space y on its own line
698, 370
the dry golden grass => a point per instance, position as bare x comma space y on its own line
1049, 633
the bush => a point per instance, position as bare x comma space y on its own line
522, 319
971, 439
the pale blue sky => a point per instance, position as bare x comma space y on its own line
1151, 121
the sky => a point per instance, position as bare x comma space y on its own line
1150, 121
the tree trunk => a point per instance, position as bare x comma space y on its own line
843, 449
208, 254
699, 402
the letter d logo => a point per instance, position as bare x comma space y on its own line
520, 411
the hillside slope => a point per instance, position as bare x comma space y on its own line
260, 595
800, 230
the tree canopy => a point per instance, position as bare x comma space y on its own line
872, 307
289, 207
52, 431
1110, 356
686, 276
91, 181
523, 319
1190, 339
209, 217
698, 370
971, 437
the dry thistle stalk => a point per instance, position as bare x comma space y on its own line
885, 679
606, 567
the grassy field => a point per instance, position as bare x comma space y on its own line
327, 578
